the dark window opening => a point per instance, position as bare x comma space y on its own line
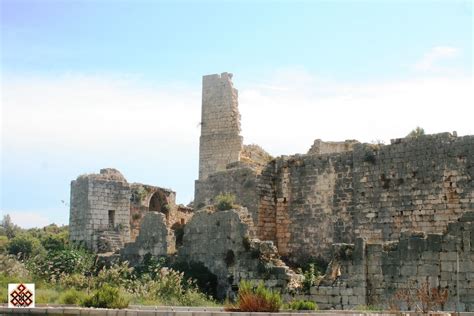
111, 219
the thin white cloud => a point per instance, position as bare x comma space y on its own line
429, 62
94, 113
283, 114
286, 122
30, 219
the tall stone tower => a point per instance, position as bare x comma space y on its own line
220, 142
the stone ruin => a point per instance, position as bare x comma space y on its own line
401, 214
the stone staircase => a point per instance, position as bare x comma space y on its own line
109, 241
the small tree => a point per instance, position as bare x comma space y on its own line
417, 132
9, 228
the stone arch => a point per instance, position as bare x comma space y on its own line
159, 203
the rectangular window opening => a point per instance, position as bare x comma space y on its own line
111, 219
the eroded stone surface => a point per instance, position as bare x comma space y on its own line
155, 238
222, 241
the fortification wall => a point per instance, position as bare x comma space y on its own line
308, 202
392, 274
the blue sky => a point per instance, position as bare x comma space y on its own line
92, 84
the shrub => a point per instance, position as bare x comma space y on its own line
257, 299
106, 297
24, 246
303, 305
417, 132
367, 308
76, 280
46, 296
12, 269
57, 263
116, 275
55, 242
310, 277
3, 244
205, 279
72, 297
224, 202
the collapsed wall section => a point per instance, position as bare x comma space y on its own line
154, 239
222, 241
147, 198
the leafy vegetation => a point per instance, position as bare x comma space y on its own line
257, 298
224, 201
417, 132
67, 274
302, 305
106, 297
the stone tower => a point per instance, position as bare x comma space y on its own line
220, 142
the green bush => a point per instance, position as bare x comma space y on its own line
55, 242
3, 244
303, 305
224, 202
72, 297
417, 132
57, 263
46, 296
106, 297
258, 298
24, 246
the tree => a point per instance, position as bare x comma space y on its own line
8, 226
417, 132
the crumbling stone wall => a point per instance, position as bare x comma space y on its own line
222, 241
340, 190
220, 142
239, 181
374, 272
100, 209
308, 202
155, 238
106, 211
446, 261
320, 147
255, 157
147, 198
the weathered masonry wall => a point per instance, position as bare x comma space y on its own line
147, 198
100, 204
373, 273
223, 242
242, 182
154, 238
308, 202
220, 142
446, 261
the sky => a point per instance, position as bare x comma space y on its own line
92, 84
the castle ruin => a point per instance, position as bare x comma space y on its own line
385, 215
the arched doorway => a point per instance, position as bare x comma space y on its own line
158, 203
